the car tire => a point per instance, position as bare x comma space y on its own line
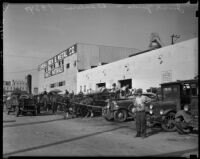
169, 122
180, 127
120, 115
107, 115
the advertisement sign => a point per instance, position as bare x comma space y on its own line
54, 71
58, 57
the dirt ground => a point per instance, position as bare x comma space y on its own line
51, 135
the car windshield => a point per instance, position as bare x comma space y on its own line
170, 93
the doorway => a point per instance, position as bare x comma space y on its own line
125, 82
99, 85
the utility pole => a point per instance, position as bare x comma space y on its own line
174, 36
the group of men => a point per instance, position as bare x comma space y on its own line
52, 99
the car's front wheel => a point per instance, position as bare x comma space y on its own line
169, 122
107, 114
120, 115
182, 127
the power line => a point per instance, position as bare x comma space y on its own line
23, 56
22, 71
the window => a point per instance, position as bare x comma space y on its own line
52, 85
61, 83
194, 89
84, 88
68, 65
80, 88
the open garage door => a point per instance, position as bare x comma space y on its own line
99, 85
125, 82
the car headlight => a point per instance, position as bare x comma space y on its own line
186, 107
133, 110
108, 106
151, 111
161, 112
151, 106
115, 104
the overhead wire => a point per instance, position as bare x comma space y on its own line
22, 71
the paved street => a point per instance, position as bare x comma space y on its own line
51, 135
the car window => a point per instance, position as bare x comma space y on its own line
170, 92
194, 89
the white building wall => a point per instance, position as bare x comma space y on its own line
69, 76
179, 61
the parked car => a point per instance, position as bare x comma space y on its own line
174, 96
186, 119
26, 104
121, 109
12, 103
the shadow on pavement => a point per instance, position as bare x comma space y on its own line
22, 124
60, 142
154, 131
176, 153
8, 121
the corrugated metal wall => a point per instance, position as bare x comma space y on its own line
88, 55
91, 55
109, 54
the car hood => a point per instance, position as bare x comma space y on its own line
164, 105
125, 102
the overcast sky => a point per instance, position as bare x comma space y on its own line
34, 33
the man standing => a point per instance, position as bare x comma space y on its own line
54, 102
45, 100
66, 106
140, 102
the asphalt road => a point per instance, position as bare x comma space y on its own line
51, 135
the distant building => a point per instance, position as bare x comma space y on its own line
60, 71
35, 90
10, 86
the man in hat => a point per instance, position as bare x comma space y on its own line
140, 102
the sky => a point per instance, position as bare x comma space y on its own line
33, 33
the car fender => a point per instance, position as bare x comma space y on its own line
187, 117
168, 111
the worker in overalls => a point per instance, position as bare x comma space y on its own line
140, 102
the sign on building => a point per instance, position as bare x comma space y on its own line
167, 76
55, 65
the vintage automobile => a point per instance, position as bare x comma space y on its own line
26, 104
89, 104
174, 97
12, 103
121, 109
186, 119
